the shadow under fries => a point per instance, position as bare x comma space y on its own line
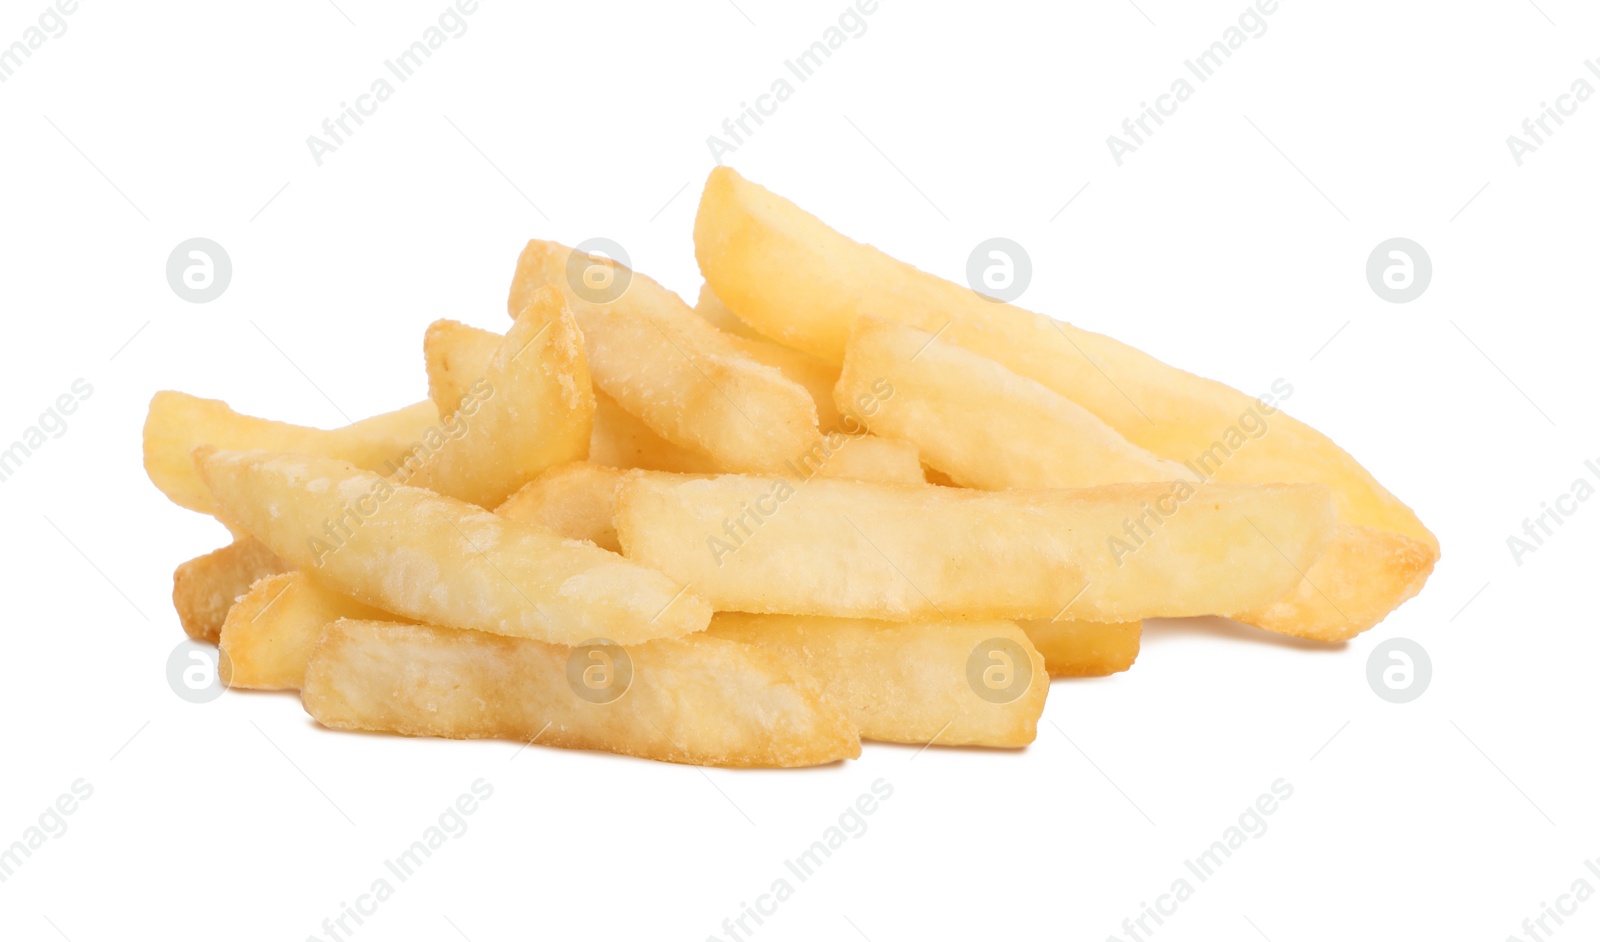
515, 747
1165, 631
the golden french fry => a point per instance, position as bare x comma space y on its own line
710, 307
794, 279
685, 379
270, 631
179, 423
576, 500
1360, 578
1084, 648
457, 357
433, 559
699, 700
533, 409
204, 588
982, 424
874, 459
622, 440
857, 550
977, 683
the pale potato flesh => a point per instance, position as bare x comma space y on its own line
904, 682
270, 631
531, 408
437, 560
692, 384
699, 700
204, 588
858, 550
791, 277
980, 423
178, 423
1085, 648
577, 500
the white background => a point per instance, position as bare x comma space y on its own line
1233, 244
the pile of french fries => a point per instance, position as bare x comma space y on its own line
836, 499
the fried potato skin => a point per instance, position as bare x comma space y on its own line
851, 549
436, 560
702, 700
901, 682
206, 587
1085, 648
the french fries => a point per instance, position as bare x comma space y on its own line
983, 425
270, 631
205, 587
1085, 648
685, 379
856, 550
792, 278
978, 683
177, 424
536, 409
701, 700
436, 560
854, 500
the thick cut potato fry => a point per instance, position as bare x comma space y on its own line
577, 500
270, 631
433, 559
710, 307
1362, 575
536, 410
791, 277
204, 588
857, 550
699, 700
874, 459
980, 423
457, 356
685, 379
915, 683
179, 423
622, 440
1085, 648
